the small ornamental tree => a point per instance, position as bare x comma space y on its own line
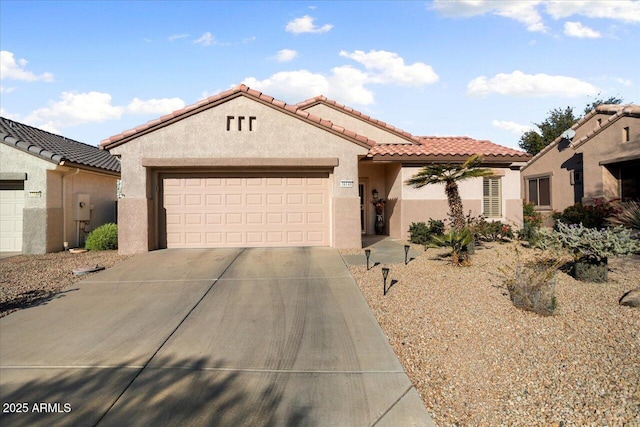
450, 175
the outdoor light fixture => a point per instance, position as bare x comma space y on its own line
406, 254
367, 253
385, 274
374, 193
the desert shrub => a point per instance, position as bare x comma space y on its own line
533, 287
494, 231
103, 238
589, 244
532, 221
531, 282
530, 216
590, 216
421, 233
458, 241
628, 215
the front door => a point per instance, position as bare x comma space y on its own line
362, 214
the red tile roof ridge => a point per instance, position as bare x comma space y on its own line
292, 108
321, 99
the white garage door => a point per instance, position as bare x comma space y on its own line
11, 205
246, 212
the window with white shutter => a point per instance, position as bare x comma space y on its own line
492, 198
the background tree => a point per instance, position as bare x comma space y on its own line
450, 175
557, 121
552, 127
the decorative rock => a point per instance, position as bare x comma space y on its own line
85, 270
630, 298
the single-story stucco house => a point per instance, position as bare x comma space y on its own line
52, 189
242, 169
598, 158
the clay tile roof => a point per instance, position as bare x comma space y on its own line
448, 146
55, 148
213, 100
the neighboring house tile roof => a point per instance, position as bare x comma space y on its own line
614, 110
212, 101
56, 148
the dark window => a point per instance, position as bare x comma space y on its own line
540, 191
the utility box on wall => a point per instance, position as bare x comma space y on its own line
81, 207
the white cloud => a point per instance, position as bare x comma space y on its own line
624, 82
388, 67
286, 55
154, 106
4, 89
173, 37
292, 86
94, 107
15, 70
75, 109
576, 29
619, 10
530, 85
306, 25
249, 39
513, 127
346, 84
518, 10
206, 39
530, 12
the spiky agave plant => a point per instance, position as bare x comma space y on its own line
628, 215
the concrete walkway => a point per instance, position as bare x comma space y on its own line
384, 250
207, 337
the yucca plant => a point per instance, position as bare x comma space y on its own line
458, 242
628, 215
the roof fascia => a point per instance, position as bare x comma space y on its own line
280, 107
359, 117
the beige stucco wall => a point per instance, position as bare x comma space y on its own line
603, 147
204, 135
356, 125
43, 228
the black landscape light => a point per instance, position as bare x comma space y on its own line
385, 274
406, 254
367, 253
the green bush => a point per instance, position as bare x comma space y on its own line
532, 221
590, 216
421, 233
103, 238
489, 231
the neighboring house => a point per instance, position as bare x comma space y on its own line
52, 189
598, 158
241, 169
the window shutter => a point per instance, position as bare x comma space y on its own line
492, 200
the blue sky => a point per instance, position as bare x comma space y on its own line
480, 68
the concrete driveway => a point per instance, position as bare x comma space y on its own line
206, 337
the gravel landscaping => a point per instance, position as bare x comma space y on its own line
477, 360
474, 358
27, 280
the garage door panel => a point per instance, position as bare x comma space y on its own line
11, 207
246, 211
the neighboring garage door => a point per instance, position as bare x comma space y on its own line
246, 211
11, 206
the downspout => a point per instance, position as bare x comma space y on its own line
64, 199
